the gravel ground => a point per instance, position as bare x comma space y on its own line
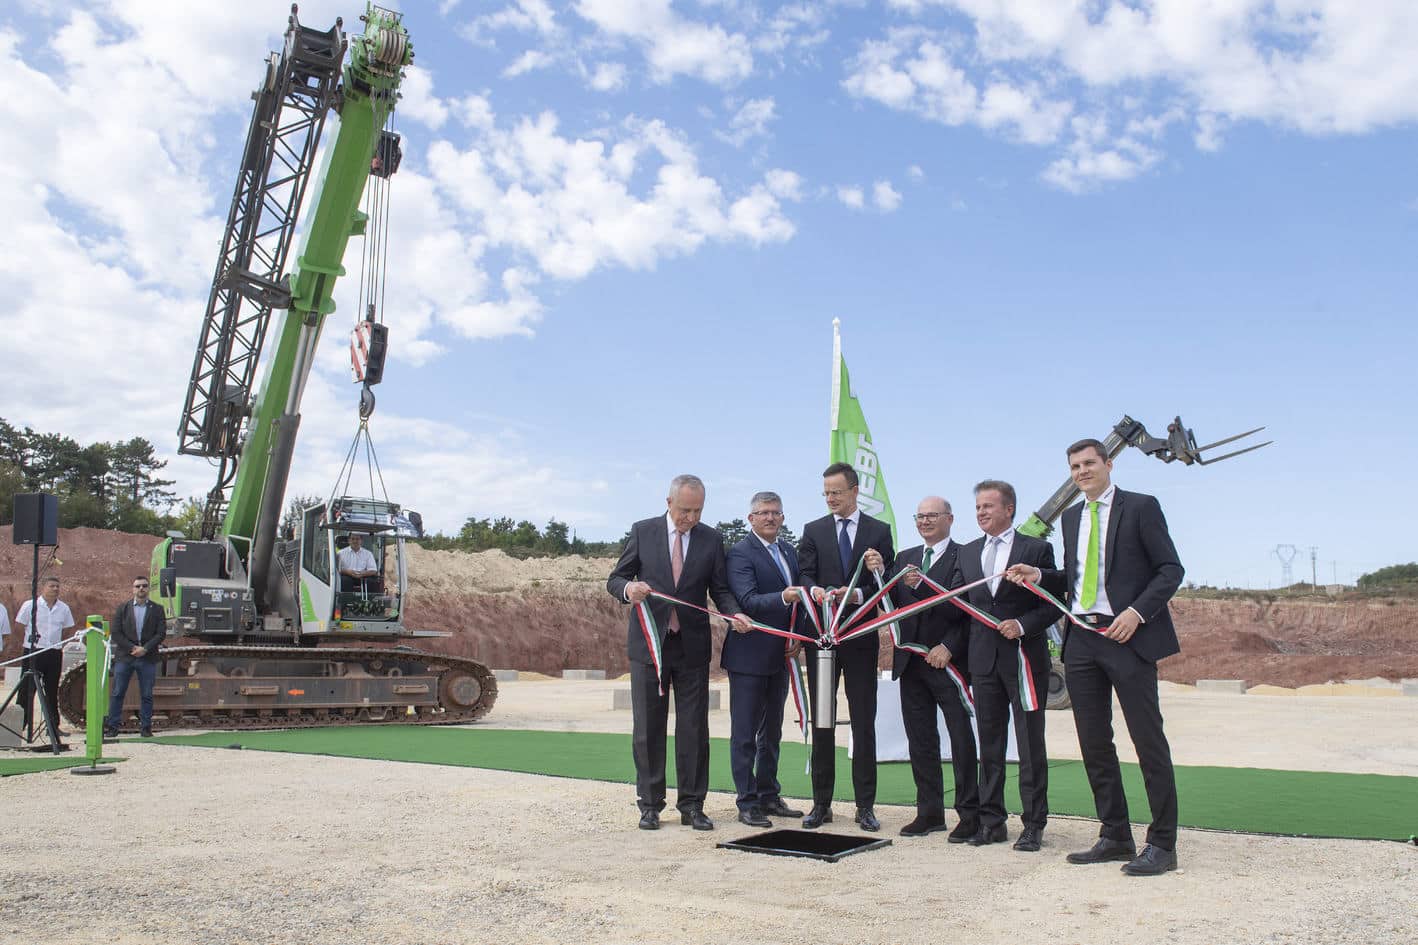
188, 845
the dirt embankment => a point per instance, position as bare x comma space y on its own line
547, 615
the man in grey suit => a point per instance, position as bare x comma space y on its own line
673, 554
139, 627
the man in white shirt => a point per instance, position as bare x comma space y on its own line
358, 569
41, 634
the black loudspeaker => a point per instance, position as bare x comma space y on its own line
36, 519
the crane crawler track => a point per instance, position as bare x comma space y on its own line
283, 687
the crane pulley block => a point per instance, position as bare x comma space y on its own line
369, 342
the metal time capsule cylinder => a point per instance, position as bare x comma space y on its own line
824, 702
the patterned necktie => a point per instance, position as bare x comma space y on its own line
778, 560
676, 569
844, 550
1089, 595
926, 559
991, 549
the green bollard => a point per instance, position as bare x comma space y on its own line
96, 697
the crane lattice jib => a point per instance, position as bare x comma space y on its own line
285, 129
366, 98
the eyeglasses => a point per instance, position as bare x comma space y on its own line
836, 493
929, 516
768, 513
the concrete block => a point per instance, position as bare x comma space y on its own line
620, 700
583, 674
1233, 686
1410, 687
505, 675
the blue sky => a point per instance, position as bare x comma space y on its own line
622, 230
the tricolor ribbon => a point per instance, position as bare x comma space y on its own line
797, 684
920, 649
1039, 592
651, 630
1028, 692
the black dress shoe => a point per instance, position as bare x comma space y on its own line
650, 820
753, 817
1152, 861
110, 733
817, 817
1030, 840
964, 831
696, 819
924, 824
779, 809
866, 819
146, 733
1103, 851
987, 835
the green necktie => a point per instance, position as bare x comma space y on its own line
926, 559
1090, 561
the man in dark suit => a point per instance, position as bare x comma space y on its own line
994, 664
828, 553
763, 574
1120, 570
139, 627
926, 684
676, 555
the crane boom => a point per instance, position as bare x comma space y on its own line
366, 99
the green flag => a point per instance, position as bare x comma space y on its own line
851, 440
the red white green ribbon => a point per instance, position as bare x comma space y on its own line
1028, 692
651, 631
920, 649
787, 634
1063, 608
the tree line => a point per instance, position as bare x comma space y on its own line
99, 485
523, 539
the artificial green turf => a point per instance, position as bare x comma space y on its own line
1253, 800
9, 766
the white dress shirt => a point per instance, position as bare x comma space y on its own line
937, 551
1006, 544
852, 521
53, 621
361, 560
1085, 528
4, 622
670, 540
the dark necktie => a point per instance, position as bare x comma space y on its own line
844, 550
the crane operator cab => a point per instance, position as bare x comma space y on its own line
352, 566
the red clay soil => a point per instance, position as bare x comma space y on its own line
556, 627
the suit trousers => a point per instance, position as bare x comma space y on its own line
46, 665
756, 729
858, 665
650, 710
923, 690
996, 696
1095, 669
123, 671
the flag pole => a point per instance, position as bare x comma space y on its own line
836, 370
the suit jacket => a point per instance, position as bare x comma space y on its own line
822, 565
126, 634
646, 557
1141, 569
1010, 601
943, 623
758, 585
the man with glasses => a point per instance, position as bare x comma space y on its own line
139, 627
926, 685
763, 572
829, 552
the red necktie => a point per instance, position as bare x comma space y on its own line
676, 569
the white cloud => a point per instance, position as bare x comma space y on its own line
608, 77
885, 197
785, 184
1028, 69
419, 102
749, 121
673, 45
526, 16
529, 61
852, 196
916, 173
